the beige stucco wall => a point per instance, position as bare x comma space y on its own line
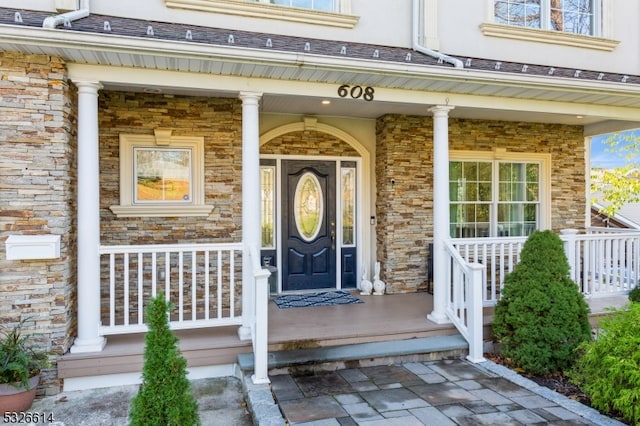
37, 196
404, 207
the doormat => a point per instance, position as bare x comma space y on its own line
323, 298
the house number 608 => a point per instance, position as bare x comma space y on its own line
356, 92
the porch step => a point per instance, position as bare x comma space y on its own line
431, 348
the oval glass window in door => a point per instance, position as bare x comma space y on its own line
308, 206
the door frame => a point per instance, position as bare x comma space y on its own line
361, 211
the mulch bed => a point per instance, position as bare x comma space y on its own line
557, 382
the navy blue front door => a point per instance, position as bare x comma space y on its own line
309, 228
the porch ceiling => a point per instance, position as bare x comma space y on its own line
479, 91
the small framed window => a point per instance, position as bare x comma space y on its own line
161, 175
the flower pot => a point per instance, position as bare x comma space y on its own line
18, 399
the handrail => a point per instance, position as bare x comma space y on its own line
464, 301
160, 248
261, 318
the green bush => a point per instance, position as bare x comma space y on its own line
165, 395
634, 295
542, 317
608, 368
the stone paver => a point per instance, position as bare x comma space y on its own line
435, 393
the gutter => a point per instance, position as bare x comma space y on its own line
418, 47
65, 19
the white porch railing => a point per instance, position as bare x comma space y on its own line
464, 304
498, 255
602, 263
200, 279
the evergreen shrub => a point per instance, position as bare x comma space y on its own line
608, 368
164, 398
541, 317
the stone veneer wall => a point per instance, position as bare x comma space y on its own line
37, 196
308, 142
219, 121
404, 150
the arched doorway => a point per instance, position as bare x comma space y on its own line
312, 207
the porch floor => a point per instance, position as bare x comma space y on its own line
379, 318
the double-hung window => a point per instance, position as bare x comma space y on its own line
494, 197
570, 16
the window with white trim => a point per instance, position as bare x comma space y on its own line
161, 175
332, 13
581, 17
497, 197
324, 5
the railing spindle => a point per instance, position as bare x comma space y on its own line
180, 286
112, 289
207, 298
194, 286
126, 288
140, 289
219, 284
232, 285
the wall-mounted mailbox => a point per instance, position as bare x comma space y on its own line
23, 247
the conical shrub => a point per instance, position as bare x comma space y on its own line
164, 398
541, 317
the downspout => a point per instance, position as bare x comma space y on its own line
418, 47
65, 18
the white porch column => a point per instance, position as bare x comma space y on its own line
440, 210
89, 339
250, 204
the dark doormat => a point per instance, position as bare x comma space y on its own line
323, 298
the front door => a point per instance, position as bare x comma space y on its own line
309, 224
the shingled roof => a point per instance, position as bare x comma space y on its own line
144, 29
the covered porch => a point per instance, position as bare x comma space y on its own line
222, 286
214, 350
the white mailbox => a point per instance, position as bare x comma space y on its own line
23, 247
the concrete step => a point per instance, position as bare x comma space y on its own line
352, 355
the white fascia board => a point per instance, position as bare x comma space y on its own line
61, 39
233, 84
178, 49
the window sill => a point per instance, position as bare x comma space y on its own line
160, 210
265, 10
549, 37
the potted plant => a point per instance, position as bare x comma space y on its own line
20, 366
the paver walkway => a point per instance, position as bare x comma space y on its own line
452, 392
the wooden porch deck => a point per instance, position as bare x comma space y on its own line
379, 318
